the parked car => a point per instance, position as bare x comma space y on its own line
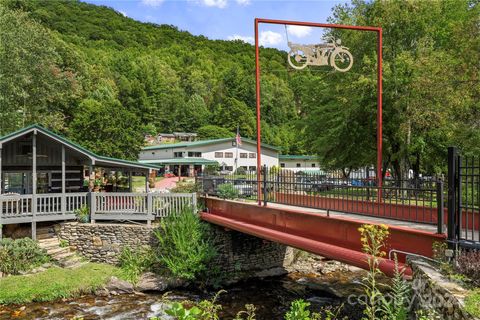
311, 184
245, 188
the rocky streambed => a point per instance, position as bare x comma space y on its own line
322, 283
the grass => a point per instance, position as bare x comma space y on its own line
472, 303
139, 182
55, 283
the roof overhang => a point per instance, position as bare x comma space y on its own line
95, 159
181, 161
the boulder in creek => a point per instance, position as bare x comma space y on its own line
118, 286
150, 281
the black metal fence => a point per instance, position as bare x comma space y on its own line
416, 200
463, 199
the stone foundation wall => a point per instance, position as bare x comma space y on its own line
433, 291
241, 255
238, 255
104, 242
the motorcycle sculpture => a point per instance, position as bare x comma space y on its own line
330, 53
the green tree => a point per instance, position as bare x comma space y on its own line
107, 129
36, 83
233, 113
214, 132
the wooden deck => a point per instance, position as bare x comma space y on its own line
103, 206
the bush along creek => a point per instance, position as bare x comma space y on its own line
177, 279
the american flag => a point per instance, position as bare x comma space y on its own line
238, 139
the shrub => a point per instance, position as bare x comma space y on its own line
133, 262
298, 311
240, 171
468, 264
20, 255
83, 214
212, 169
185, 187
227, 191
184, 246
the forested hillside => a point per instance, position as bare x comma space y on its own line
116, 77
105, 80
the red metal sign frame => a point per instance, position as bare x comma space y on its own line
378, 30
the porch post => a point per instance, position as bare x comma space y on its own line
90, 169
34, 184
147, 175
130, 181
64, 199
148, 198
91, 195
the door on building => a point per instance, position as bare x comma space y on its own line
197, 169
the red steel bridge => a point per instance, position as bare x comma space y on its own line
322, 215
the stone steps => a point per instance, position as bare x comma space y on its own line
48, 240
56, 251
48, 244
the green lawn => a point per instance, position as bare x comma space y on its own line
55, 283
139, 182
472, 303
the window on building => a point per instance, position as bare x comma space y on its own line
218, 154
282, 165
194, 154
244, 168
228, 168
299, 165
178, 154
252, 155
313, 165
252, 168
228, 154
243, 155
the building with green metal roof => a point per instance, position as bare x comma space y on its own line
299, 162
37, 160
190, 158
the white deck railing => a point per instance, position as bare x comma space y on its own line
139, 206
103, 206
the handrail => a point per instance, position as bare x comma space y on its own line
107, 206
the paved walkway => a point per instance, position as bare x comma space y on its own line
166, 184
398, 223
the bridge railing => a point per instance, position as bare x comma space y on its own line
415, 200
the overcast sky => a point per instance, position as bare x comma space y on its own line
231, 19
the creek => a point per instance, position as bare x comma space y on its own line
271, 297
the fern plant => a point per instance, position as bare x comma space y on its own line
396, 308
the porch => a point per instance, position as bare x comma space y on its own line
121, 206
46, 177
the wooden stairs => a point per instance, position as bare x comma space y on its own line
48, 240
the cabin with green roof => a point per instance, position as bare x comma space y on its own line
46, 177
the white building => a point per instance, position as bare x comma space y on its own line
190, 158
299, 163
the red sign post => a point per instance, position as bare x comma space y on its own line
379, 89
